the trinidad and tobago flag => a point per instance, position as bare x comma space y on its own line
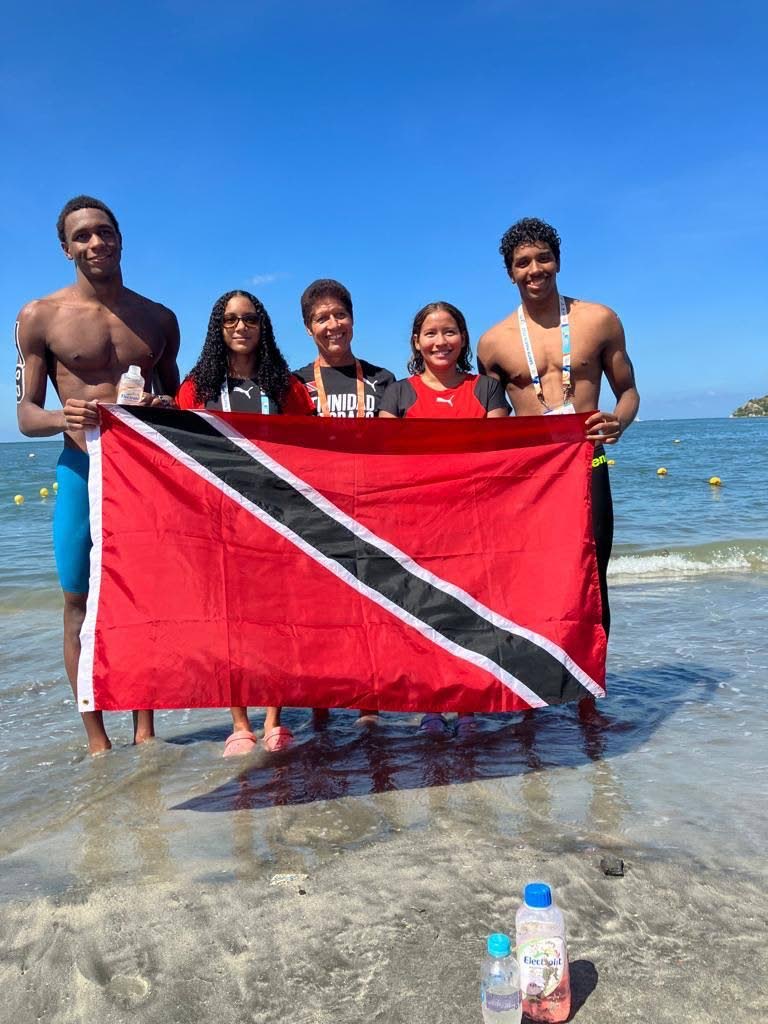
409, 565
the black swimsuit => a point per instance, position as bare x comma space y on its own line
602, 526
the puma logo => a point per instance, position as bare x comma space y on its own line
371, 384
244, 391
446, 401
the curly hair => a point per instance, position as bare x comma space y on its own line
529, 231
326, 288
416, 362
83, 203
209, 373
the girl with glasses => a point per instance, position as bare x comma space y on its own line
241, 369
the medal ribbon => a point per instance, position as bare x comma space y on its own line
565, 333
322, 398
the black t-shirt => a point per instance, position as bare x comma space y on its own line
244, 396
340, 384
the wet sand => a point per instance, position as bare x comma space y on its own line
154, 884
179, 890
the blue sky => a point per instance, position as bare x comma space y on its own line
262, 145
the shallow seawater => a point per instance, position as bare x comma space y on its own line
675, 769
672, 768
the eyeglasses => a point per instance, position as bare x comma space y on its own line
231, 320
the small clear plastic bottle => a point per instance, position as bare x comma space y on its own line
500, 983
543, 956
131, 387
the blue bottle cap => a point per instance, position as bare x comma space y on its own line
499, 944
537, 894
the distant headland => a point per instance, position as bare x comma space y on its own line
754, 407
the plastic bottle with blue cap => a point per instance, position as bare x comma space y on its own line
500, 983
543, 956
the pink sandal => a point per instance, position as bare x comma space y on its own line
278, 738
242, 741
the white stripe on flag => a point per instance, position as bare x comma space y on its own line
88, 629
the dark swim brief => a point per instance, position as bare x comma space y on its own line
71, 524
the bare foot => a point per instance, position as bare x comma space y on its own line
96, 747
98, 741
143, 726
367, 718
589, 713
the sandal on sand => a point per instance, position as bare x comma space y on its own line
466, 727
278, 738
242, 741
434, 725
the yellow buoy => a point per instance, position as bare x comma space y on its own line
55, 486
43, 492
611, 462
19, 499
661, 471
715, 481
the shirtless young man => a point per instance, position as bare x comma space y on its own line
551, 355
83, 338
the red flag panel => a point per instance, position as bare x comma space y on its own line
400, 565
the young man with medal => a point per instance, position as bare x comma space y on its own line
551, 355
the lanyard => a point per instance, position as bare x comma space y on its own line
322, 398
226, 406
565, 333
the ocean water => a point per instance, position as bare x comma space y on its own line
675, 768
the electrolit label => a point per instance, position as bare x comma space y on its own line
499, 1003
129, 396
542, 962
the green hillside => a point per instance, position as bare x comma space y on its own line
754, 407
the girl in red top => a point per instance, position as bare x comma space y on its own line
442, 385
241, 369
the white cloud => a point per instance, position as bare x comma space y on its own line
258, 279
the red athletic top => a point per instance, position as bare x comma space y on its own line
474, 398
245, 396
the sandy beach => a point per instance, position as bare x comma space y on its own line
381, 922
178, 891
355, 877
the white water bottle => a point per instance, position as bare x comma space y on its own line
540, 943
500, 983
131, 387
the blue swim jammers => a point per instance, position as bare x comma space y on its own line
71, 523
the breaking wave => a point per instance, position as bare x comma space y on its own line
735, 556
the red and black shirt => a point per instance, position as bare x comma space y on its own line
247, 396
473, 398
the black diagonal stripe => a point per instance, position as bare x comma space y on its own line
539, 670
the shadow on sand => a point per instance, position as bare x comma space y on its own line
583, 984
340, 759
